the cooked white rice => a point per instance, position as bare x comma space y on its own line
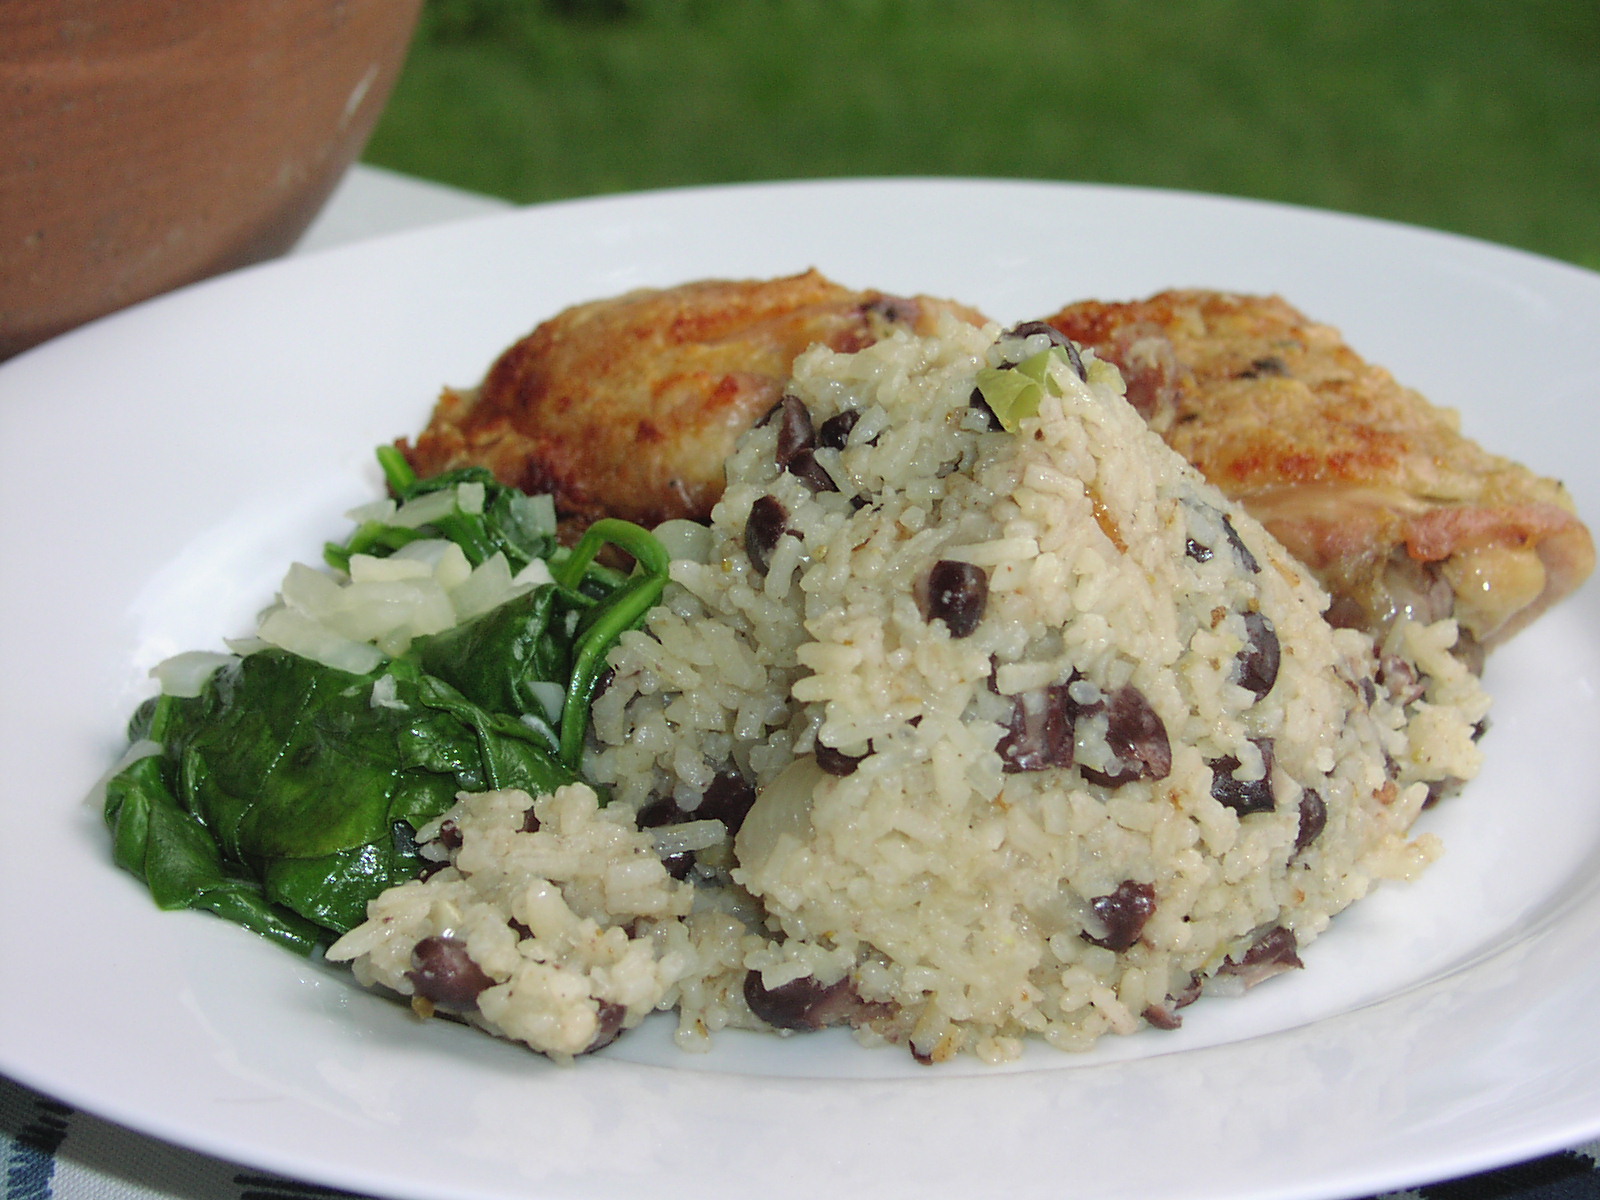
1012, 852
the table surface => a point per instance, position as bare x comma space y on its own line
49, 1151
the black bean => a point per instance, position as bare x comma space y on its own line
801, 1003
610, 1017
1041, 730
1313, 819
1246, 559
1123, 913
449, 835
805, 467
660, 810
1165, 1015
1442, 789
976, 401
441, 971
768, 521
958, 593
1269, 364
1404, 682
1137, 736
1244, 796
530, 821
1257, 667
728, 798
795, 432
1272, 953
837, 762
835, 431
1057, 338
1189, 993
664, 810
1162, 1017
1196, 551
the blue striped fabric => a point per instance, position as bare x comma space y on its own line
51, 1152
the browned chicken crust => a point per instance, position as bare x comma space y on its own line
627, 407
1362, 479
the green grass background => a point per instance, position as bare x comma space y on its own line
1478, 116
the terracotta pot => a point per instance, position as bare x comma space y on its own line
145, 144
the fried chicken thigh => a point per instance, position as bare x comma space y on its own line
1367, 483
627, 407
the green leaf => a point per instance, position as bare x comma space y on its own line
284, 783
494, 659
167, 848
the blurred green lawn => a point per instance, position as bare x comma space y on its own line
1479, 116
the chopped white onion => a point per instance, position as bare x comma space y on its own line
186, 674
425, 509
685, 539
368, 568
534, 574
489, 586
551, 697
375, 510
691, 835
295, 632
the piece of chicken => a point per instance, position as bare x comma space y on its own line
627, 407
1366, 482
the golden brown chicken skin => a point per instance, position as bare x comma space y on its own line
1362, 479
627, 407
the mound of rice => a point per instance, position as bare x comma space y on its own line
954, 733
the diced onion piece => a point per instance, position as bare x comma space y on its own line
535, 514
295, 632
533, 575
551, 697
685, 539
425, 550
310, 591
377, 510
451, 569
445, 560
367, 568
782, 810
469, 498
371, 610
489, 586
386, 693
425, 509
186, 674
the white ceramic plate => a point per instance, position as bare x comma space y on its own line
159, 470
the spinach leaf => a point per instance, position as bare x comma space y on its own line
286, 794
168, 848
289, 783
600, 628
496, 660
511, 523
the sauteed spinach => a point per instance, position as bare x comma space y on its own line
285, 794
